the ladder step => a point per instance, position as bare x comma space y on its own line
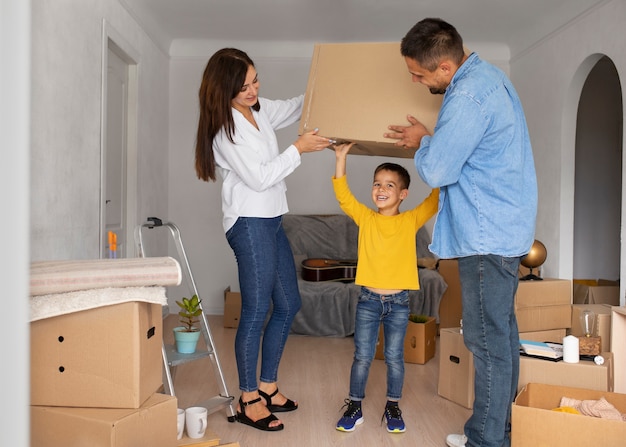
176, 358
171, 357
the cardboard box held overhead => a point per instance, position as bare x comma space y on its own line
356, 90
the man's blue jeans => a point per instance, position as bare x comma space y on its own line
488, 285
267, 279
371, 310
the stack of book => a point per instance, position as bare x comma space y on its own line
541, 350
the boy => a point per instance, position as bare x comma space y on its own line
387, 270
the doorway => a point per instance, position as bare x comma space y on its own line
598, 175
118, 147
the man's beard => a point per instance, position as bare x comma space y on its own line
437, 91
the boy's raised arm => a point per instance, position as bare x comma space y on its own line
341, 153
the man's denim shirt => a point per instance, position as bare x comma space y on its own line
481, 158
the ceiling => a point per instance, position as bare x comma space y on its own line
515, 23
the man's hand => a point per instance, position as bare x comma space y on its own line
408, 136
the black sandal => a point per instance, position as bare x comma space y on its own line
290, 405
261, 424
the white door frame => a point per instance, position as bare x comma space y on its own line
113, 39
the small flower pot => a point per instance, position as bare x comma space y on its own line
186, 342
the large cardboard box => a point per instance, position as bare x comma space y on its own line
544, 318
584, 374
535, 424
543, 305
591, 291
539, 305
618, 347
420, 342
232, 308
546, 292
153, 424
107, 357
602, 327
336, 104
456, 368
451, 306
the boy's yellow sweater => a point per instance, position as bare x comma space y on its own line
387, 257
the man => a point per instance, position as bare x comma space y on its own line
481, 157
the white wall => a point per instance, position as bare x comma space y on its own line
549, 78
66, 124
14, 141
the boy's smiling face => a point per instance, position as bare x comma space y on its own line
388, 192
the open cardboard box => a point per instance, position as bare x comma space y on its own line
591, 291
356, 90
535, 424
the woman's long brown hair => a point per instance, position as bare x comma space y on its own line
223, 78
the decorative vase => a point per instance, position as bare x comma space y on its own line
186, 341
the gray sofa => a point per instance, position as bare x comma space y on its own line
329, 308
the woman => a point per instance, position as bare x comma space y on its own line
236, 136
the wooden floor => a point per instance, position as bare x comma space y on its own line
315, 371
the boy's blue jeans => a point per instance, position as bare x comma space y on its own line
393, 312
267, 278
488, 285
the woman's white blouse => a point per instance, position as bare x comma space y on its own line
253, 169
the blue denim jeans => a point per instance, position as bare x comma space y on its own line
267, 280
371, 310
488, 285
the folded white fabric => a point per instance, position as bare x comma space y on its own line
47, 306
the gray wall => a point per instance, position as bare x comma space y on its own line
66, 119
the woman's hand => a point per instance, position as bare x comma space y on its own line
312, 142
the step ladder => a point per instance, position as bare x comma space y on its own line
171, 357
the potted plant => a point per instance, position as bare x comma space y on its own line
187, 336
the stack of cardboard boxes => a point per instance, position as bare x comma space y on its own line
95, 376
95, 358
544, 313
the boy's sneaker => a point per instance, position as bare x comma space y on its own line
352, 417
456, 440
393, 414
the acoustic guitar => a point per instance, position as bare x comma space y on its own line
321, 269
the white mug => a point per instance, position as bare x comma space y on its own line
195, 421
180, 423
